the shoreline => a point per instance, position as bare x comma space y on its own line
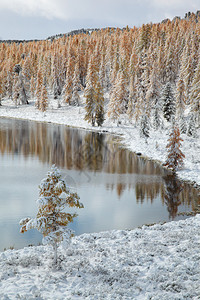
73, 116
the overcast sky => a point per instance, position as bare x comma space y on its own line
38, 19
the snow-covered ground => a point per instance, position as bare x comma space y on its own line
156, 262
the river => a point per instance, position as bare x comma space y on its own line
119, 189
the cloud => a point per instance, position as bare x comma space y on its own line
45, 8
40, 18
104, 9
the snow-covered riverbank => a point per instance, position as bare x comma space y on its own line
156, 262
154, 149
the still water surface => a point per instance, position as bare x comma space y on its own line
119, 190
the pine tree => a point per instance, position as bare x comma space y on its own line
175, 156
51, 219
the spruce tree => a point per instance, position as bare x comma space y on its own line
144, 126
167, 98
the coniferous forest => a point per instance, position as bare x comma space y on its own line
149, 74
146, 70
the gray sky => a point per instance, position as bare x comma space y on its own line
38, 19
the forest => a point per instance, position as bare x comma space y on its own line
146, 70
149, 75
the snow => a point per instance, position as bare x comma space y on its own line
154, 262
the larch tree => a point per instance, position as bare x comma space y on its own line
1, 88
90, 91
43, 99
32, 87
153, 96
39, 84
76, 86
99, 99
23, 95
132, 98
119, 98
195, 94
16, 90
175, 156
181, 101
52, 218
68, 87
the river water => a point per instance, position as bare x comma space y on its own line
119, 189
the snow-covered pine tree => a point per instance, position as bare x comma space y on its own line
167, 98
52, 219
175, 156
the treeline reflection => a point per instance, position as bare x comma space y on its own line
88, 151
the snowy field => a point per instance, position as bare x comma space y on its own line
156, 262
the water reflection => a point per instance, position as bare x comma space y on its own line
71, 148
118, 188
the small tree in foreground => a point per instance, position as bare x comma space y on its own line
175, 155
51, 219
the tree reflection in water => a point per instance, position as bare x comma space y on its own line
88, 151
172, 194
